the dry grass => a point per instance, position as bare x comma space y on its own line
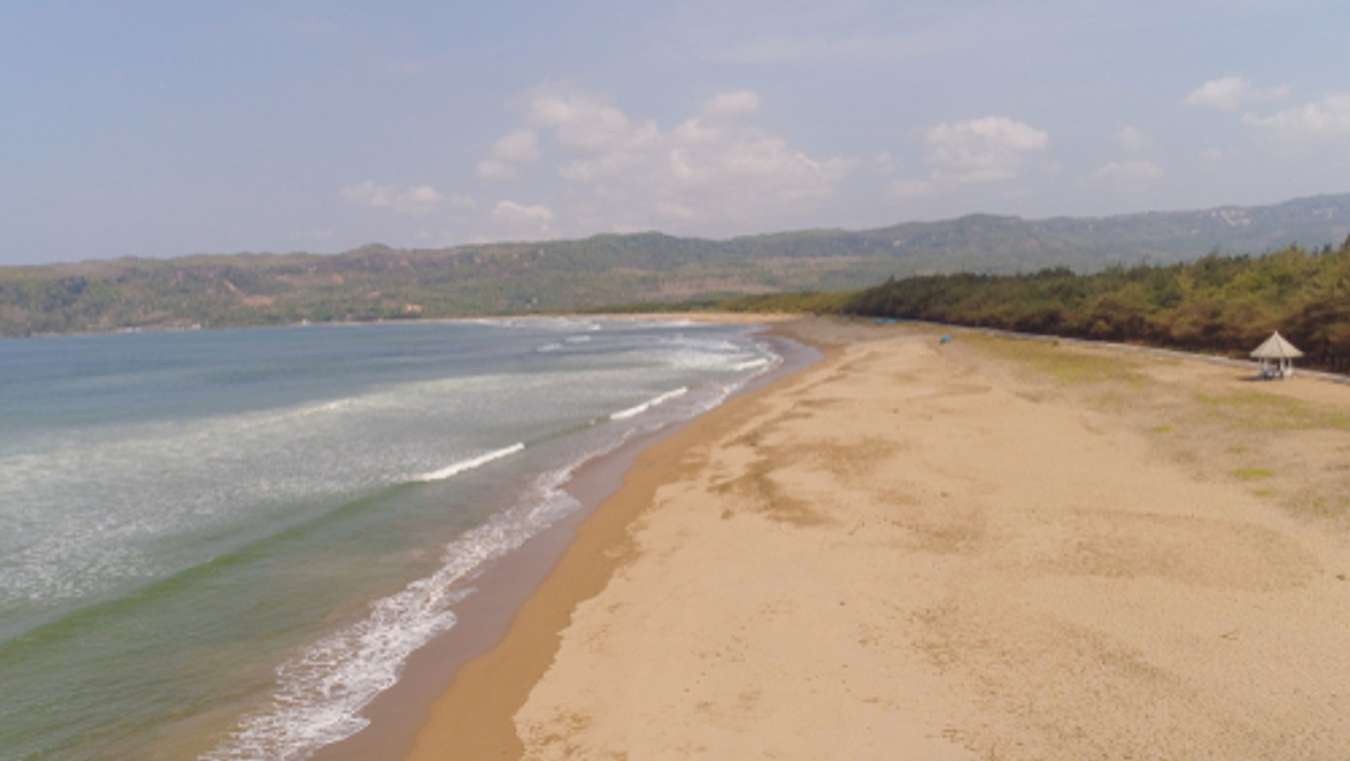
1253, 474
1063, 363
1263, 411
1318, 503
1237, 431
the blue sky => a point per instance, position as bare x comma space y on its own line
158, 129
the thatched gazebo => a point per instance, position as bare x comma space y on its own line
1277, 356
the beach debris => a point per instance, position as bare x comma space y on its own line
946, 339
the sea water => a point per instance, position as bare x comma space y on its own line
224, 544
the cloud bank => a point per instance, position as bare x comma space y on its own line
1231, 93
409, 200
714, 168
1328, 117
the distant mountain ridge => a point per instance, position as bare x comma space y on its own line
379, 282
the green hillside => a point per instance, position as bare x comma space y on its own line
377, 282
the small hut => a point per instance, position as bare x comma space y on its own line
1276, 356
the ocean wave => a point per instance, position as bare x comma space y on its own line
571, 324
455, 469
653, 402
697, 360
322, 691
751, 364
316, 408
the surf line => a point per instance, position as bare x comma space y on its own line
653, 402
455, 469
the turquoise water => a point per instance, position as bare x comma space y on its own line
223, 544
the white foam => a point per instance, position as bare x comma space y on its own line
751, 364
578, 339
570, 324
455, 469
653, 402
319, 408
321, 692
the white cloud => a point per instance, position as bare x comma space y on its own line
733, 103
695, 130
496, 169
1320, 119
1131, 138
709, 171
884, 163
1231, 93
518, 146
1211, 154
510, 211
988, 149
421, 195
580, 121
1130, 175
522, 220
508, 153
463, 202
410, 200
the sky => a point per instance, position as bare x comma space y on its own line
168, 128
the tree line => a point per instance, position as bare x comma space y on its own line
1217, 303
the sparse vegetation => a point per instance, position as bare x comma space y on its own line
1064, 364
1259, 410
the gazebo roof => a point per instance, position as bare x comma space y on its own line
1276, 347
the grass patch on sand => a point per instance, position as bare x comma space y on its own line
1264, 411
1061, 362
1253, 474
1327, 507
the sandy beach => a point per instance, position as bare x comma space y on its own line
990, 549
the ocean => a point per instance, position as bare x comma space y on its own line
224, 544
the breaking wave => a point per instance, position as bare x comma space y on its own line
455, 469
655, 401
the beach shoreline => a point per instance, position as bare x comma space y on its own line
986, 566
504, 584
481, 695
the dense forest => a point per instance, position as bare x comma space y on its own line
1217, 303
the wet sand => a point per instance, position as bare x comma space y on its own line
505, 584
994, 549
